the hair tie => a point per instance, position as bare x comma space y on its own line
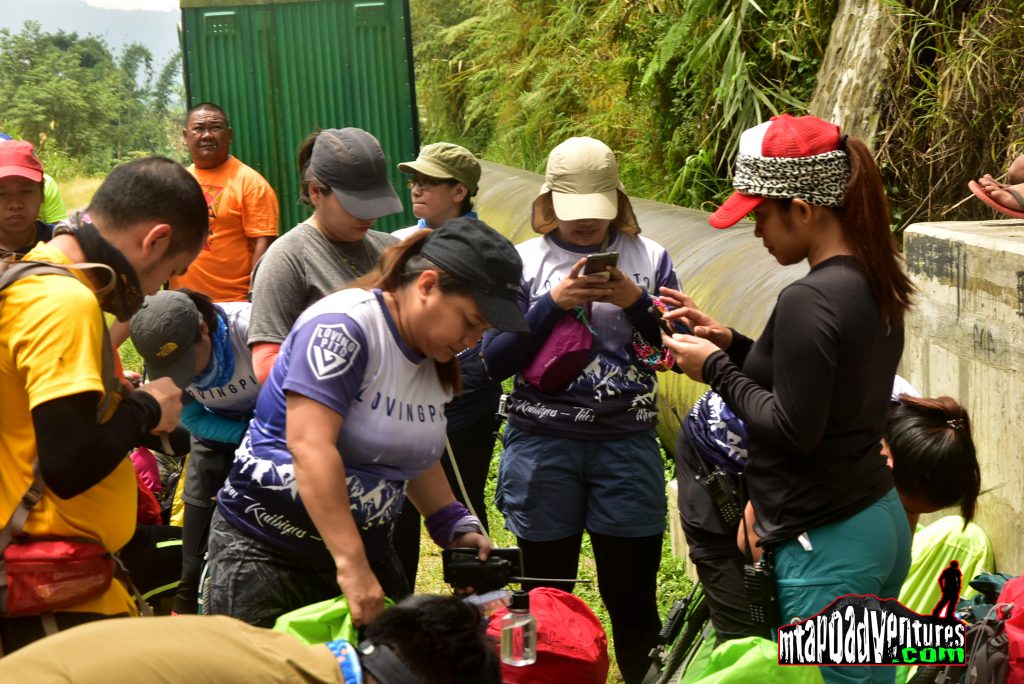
955, 423
842, 142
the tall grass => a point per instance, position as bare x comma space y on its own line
77, 191
668, 84
956, 110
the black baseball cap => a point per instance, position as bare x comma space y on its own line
472, 251
352, 163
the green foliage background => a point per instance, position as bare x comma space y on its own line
84, 108
668, 84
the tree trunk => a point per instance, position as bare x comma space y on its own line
855, 67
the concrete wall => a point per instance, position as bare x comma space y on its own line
965, 339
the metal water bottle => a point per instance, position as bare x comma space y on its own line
519, 632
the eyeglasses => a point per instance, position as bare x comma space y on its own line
428, 183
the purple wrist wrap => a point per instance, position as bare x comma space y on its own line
451, 521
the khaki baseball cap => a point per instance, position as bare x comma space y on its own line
446, 160
582, 182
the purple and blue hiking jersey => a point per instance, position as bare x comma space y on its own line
343, 352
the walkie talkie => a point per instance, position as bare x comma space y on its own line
759, 584
724, 495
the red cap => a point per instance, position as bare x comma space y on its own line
17, 158
781, 136
798, 136
734, 209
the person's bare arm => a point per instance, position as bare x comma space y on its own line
258, 246
312, 433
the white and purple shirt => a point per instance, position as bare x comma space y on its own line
614, 395
345, 353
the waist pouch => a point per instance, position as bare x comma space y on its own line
563, 355
47, 574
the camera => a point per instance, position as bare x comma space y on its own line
723, 494
463, 570
759, 583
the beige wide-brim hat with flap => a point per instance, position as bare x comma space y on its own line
582, 182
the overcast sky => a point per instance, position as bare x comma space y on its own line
157, 5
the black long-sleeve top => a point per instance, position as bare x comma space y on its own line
814, 393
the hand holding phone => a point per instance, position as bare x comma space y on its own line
598, 264
670, 326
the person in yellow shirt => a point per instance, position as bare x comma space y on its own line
243, 209
146, 223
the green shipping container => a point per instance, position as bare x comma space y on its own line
282, 69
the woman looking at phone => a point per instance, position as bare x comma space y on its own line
814, 390
585, 456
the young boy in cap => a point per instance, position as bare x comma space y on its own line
21, 196
202, 346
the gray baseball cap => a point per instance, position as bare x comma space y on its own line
164, 332
352, 163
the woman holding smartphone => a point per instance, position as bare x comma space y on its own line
585, 456
814, 390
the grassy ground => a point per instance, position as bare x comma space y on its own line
78, 191
672, 581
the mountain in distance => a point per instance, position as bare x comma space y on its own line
157, 30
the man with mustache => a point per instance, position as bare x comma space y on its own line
243, 209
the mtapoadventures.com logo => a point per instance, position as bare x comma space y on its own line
867, 630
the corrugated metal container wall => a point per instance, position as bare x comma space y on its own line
282, 69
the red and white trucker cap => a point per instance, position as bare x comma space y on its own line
786, 157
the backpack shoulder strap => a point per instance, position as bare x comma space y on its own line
17, 520
14, 271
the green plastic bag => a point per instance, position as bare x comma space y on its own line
321, 622
753, 659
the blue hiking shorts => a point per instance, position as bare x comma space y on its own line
555, 487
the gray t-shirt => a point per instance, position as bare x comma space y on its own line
298, 269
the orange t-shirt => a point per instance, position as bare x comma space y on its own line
242, 206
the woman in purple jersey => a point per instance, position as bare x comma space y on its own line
351, 421
585, 456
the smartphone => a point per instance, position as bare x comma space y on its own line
599, 263
671, 326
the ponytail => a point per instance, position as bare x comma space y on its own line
865, 222
933, 453
306, 178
